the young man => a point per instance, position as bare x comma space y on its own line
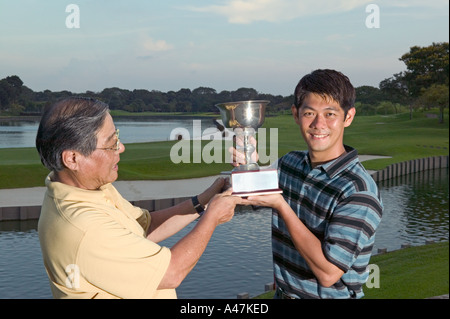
324, 223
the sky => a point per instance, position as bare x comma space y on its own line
169, 45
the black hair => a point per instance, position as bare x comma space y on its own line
329, 84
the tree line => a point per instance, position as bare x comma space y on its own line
423, 84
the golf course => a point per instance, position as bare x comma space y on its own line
397, 136
415, 272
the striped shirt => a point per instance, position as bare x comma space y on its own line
340, 204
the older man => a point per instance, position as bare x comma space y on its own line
95, 244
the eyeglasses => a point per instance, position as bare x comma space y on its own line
116, 147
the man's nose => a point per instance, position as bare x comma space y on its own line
121, 148
318, 122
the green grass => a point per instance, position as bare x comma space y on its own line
151, 161
399, 137
395, 136
412, 273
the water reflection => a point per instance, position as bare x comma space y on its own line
238, 257
151, 131
15, 134
22, 273
416, 209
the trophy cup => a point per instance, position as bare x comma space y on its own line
245, 117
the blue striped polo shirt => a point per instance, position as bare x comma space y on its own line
340, 204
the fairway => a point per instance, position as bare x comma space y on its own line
394, 135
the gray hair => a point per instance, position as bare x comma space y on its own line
70, 124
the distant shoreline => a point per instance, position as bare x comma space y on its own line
36, 118
26, 118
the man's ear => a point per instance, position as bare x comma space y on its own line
349, 117
70, 159
294, 111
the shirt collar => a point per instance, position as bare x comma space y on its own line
66, 192
335, 166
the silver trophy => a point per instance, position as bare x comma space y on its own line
244, 118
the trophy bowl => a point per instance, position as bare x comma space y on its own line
244, 117
243, 114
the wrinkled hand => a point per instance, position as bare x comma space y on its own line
238, 157
222, 206
220, 184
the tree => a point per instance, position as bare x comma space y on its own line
368, 94
115, 97
395, 89
182, 100
436, 95
426, 66
244, 94
15, 84
10, 90
4, 97
203, 99
387, 107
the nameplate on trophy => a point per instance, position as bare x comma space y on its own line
260, 182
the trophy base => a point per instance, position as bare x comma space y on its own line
246, 167
256, 182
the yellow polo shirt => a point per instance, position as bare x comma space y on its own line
94, 246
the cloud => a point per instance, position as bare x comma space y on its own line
418, 3
147, 47
151, 45
249, 11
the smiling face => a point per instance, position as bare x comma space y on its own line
322, 122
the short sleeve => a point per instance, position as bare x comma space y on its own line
144, 219
351, 229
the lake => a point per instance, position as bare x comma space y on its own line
238, 258
15, 134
